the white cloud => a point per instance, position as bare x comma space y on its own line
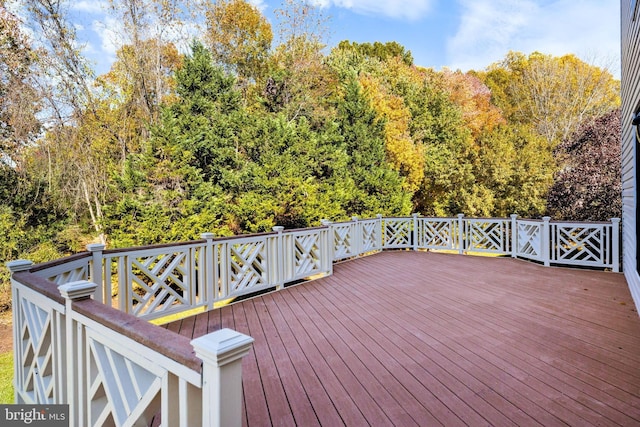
93, 6
260, 4
400, 9
490, 28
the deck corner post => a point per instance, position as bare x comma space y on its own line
615, 244
416, 232
96, 270
277, 262
547, 243
221, 353
514, 236
74, 291
461, 234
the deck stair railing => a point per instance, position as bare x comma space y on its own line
81, 330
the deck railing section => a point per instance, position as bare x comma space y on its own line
113, 369
588, 244
69, 350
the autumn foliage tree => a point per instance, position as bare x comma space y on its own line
554, 94
239, 38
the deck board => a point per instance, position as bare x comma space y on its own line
416, 338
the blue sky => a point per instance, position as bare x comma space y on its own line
459, 34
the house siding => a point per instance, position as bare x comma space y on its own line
630, 36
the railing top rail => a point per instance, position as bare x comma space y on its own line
438, 217
298, 230
39, 284
165, 342
580, 222
157, 246
482, 218
59, 261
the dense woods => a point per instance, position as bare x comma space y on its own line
205, 124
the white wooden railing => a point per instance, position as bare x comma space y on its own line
80, 330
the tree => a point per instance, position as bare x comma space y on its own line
588, 186
513, 171
381, 51
19, 97
378, 188
474, 99
554, 94
239, 38
299, 83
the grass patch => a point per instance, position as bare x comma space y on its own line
6, 378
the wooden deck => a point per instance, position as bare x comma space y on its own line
414, 338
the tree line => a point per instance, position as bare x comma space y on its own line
205, 124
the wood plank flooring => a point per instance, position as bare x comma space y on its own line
424, 339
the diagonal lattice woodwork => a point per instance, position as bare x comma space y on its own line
36, 353
342, 241
247, 265
437, 234
397, 233
485, 236
529, 244
370, 232
307, 255
120, 391
160, 282
579, 243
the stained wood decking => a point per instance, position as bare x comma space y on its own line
415, 338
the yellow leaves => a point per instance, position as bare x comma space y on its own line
554, 94
239, 36
403, 154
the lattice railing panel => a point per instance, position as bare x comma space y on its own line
68, 272
486, 236
160, 282
37, 370
436, 233
247, 266
529, 243
397, 232
370, 235
120, 390
581, 244
343, 241
307, 254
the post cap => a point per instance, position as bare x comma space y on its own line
19, 265
82, 289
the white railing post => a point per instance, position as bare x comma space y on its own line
95, 274
221, 353
209, 283
461, 239
331, 244
380, 231
75, 291
547, 243
514, 236
416, 232
357, 237
615, 244
279, 259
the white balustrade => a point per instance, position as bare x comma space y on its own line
68, 350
